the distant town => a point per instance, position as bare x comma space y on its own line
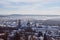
29, 27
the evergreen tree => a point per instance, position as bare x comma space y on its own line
17, 36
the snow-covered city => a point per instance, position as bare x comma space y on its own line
19, 28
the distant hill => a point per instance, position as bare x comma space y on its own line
31, 15
28, 15
2, 15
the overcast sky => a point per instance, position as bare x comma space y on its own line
39, 7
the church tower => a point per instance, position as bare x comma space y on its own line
19, 24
